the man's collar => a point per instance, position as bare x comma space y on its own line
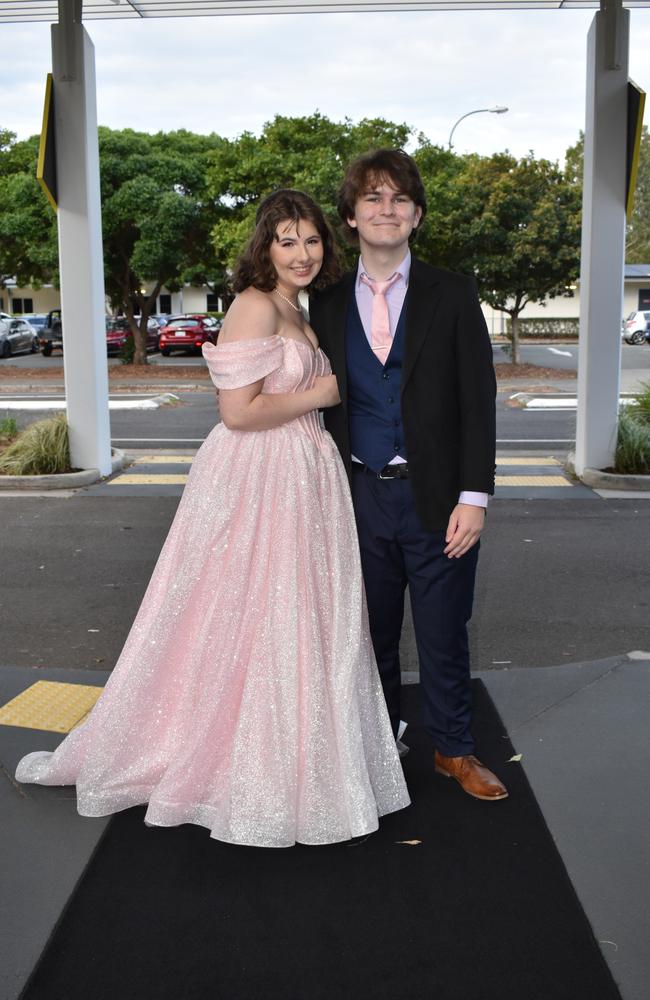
404, 269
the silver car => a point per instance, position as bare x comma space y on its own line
636, 328
17, 335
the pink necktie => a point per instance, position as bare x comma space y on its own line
380, 336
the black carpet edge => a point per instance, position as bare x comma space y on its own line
544, 825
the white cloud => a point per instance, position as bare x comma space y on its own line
427, 69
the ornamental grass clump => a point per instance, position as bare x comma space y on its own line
642, 408
41, 449
633, 447
8, 430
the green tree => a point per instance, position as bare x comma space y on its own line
637, 236
28, 238
435, 241
308, 153
516, 227
574, 160
637, 239
157, 216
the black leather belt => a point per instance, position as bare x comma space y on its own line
399, 470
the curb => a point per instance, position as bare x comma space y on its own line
7, 388
62, 480
599, 480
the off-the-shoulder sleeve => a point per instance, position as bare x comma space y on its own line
242, 362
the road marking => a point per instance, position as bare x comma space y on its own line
153, 478
555, 350
164, 460
559, 403
537, 475
115, 440
167, 440
142, 479
546, 402
152, 403
532, 481
137, 404
528, 461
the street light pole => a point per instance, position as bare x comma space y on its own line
498, 109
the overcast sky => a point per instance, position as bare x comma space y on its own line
231, 74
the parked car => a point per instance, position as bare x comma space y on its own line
188, 333
118, 329
16, 335
636, 329
37, 320
51, 334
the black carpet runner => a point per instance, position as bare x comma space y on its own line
480, 909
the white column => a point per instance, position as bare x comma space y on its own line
603, 238
80, 241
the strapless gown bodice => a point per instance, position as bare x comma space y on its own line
298, 366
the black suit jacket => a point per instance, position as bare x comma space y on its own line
448, 386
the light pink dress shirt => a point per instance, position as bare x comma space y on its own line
395, 299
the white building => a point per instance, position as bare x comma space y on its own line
636, 295
201, 299
19, 301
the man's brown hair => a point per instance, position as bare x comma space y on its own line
389, 166
255, 267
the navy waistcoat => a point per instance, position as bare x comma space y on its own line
374, 411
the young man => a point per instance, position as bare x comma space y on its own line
416, 430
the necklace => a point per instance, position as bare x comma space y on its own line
278, 292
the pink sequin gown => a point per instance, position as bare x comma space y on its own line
246, 698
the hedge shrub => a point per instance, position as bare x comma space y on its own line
550, 327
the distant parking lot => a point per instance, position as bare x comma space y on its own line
565, 356
562, 356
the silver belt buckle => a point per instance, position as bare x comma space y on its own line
379, 475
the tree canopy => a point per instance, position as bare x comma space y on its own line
28, 238
637, 237
156, 217
516, 227
178, 207
307, 153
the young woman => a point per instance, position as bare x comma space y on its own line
247, 698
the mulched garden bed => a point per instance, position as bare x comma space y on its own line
116, 373
196, 373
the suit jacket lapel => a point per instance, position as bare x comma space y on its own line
421, 303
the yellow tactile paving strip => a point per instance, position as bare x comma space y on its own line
153, 478
52, 706
528, 461
532, 481
164, 460
145, 479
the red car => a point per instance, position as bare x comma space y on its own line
117, 330
188, 333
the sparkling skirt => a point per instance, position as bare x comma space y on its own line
246, 698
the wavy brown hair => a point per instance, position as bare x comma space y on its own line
255, 267
390, 166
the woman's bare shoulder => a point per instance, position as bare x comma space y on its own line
252, 315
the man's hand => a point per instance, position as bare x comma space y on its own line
464, 529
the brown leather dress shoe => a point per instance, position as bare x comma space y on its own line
472, 776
